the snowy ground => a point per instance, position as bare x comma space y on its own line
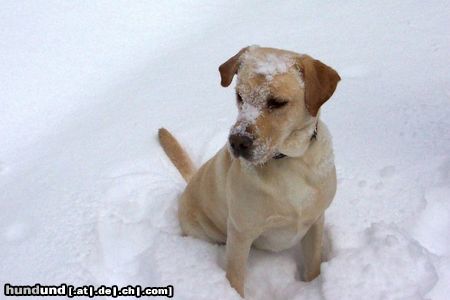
87, 195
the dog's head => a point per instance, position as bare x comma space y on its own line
279, 94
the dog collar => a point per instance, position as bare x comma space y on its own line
281, 155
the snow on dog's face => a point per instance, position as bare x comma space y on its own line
274, 114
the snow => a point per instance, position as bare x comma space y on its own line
248, 113
387, 265
266, 64
87, 195
433, 225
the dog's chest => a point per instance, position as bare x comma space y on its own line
296, 212
278, 239
294, 194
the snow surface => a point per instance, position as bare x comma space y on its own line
266, 64
88, 196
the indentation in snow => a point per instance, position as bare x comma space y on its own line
387, 171
433, 225
388, 264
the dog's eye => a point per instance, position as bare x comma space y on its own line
239, 98
275, 103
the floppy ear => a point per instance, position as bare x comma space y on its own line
320, 82
229, 68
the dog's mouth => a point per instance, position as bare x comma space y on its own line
254, 151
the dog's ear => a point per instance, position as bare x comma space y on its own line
320, 82
229, 68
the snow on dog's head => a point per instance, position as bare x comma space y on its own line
274, 115
266, 63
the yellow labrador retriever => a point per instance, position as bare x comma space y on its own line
271, 183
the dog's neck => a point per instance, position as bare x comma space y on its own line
280, 155
298, 142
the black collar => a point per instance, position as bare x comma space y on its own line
279, 155
313, 137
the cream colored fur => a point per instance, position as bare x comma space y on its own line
272, 204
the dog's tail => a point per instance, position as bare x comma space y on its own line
176, 153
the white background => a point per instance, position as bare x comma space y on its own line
88, 196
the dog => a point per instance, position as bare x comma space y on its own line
270, 184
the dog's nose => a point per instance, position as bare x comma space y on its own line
240, 144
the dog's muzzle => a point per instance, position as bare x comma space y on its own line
241, 145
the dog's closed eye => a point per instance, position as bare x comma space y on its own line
239, 99
273, 103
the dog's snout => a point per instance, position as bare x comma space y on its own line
240, 144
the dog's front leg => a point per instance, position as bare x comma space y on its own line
237, 251
312, 250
